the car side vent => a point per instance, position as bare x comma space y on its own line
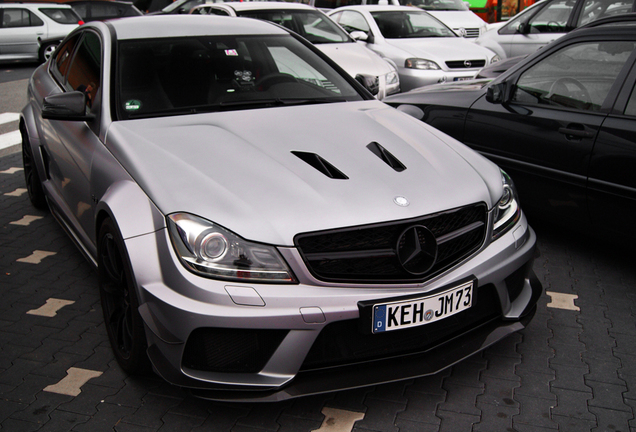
386, 156
321, 165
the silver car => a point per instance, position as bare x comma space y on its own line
319, 29
546, 21
261, 226
424, 49
31, 31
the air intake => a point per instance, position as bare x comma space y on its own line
321, 165
386, 156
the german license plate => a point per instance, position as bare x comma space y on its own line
462, 78
425, 310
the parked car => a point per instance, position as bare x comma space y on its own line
262, 227
100, 10
424, 50
547, 21
31, 31
319, 29
454, 13
561, 122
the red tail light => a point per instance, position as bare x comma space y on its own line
80, 22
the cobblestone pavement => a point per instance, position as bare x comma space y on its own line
572, 369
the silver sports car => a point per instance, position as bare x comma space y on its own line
261, 226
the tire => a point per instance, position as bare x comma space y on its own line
31, 177
120, 303
46, 51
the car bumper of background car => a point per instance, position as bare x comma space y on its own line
414, 78
241, 341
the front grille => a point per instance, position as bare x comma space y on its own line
470, 32
230, 350
466, 64
343, 343
369, 254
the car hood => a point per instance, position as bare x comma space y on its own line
441, 49
456, 19
237, 168
355, 58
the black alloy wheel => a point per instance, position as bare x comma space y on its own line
31, 177
120, 304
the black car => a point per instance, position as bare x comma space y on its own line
561, 122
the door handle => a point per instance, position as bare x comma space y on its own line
575, 131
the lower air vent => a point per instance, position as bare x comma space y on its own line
321, 165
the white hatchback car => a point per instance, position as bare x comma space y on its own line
424, 49
32, 31
378, 75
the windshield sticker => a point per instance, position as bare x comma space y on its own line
133, 105
231, 52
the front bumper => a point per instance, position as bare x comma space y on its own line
414, 78
283, 326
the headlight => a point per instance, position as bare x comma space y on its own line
507, 211
415, 63
211, 251
392, 78
392, 83
495, 59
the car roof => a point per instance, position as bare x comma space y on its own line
264, 5
157, 26
382, 8
36, 5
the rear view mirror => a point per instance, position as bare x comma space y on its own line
495, 93
69, 106
369, 82
359, 35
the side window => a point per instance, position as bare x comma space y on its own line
215, 11
631, 105
20, 18
353, 21
85, 71
63, 56
595, 9
552, 18
578, 76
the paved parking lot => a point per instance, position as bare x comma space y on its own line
572, 369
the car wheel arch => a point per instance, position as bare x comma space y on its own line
123, 199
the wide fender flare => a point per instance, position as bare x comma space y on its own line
131, 210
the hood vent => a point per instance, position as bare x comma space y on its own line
386, 156
321, 165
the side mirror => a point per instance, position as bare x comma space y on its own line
70, 106
523, 28
495, 93
369, 82
359, 35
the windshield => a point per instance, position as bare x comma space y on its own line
312, 25
439, 5
410, 24
62, 16
175, 76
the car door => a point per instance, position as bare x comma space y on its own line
545, 133
77, 67
19, 32
612, 178
545, 26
